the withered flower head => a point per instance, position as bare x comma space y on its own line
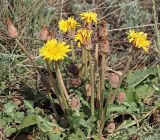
113, 80
13, 33
84, 37
111, 127
75, 103
88, 90
103, 36
44, 33
121, 97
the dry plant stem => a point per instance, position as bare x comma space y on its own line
156, 26
53, 84
91, 82
102, 82
73, 52
95, 73
61, 85
157, 33
44, 80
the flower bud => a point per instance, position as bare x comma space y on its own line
103, 37
113, 80
121, 97
13, 33
88, 90
44, 33
75, 103
111, 127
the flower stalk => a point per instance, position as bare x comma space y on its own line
91, 82
103, 33
84, 63
53, 84
61, 86
72, 50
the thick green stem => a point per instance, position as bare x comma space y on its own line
95, 70
53, 84
73, 52
103, 117
61, 85
84, 63
92, 83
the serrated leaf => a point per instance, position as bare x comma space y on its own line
9, 108
116, 108
133, 79
132, 107
9, 131
130, 95
144, 91
54, 136
47, 126
27, 121
29, 106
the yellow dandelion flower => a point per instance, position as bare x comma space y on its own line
69, 24
89, 17
63, 26
83, 36
139, 40
54, 50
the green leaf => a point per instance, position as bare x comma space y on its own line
116, 108
54, 136
19, 116
132, 107
133, 79
145, 91
75, 119
27, 121
130, 95
78, 135
47, 126
9, 131
9, 108
29, 106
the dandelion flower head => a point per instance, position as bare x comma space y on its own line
54, 50
69, 24
83, 36
139, 40
89, 17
